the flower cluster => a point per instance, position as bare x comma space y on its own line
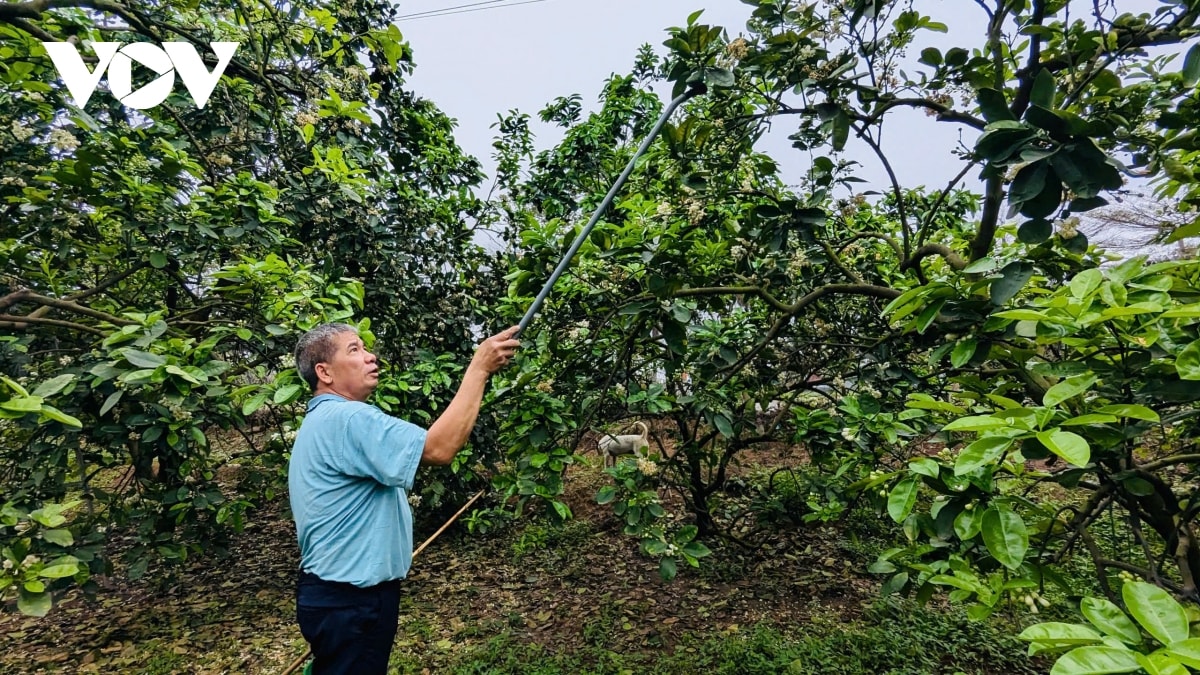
738, 48
1068, 227
63, 140
648, 467
179, 412
20, 131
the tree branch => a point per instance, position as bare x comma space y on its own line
1167, 461
899, 193
924, 229
26, 295
1029, 73
927, 250
944, 112
837, 261
993, 198
22, 323
733, 290
797, 307
875, 235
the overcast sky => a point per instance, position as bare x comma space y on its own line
475, 64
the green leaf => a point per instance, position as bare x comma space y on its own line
25, 404
1161, 663
1106, 616
1028, 183
1071, 447
1005, 535
158, 260
61, 537
66, 566
984, 264
34, 604
667, 569
1088, 419
721, 422
1086, 282
1022, 315
925, 467
719, 77
841, 130
963, 351
1014, 277
1058, 634
1035, 231
1156, 611
1192, 229
1130, 410
1187, 651
968, 523
60, 416
22, 392
895, 584
143, 359
1187, 364
902, 499
975, 423
1095, 661
985, 451
1191, 311
606, 494
993, 106
287, 393
1068, 388
1043, 89
53, 386
254, 403
1191, 66
111, 401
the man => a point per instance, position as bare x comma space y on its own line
349, 476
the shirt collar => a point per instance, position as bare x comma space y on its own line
318, 400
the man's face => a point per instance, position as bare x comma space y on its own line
353, 371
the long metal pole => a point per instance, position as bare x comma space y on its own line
695, 90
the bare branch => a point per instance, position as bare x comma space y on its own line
942, 250
23, 322
26, 295
944, 113
896, 189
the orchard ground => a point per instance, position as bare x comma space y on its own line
538, 598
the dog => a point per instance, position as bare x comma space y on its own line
624, 444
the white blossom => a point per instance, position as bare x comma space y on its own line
646, 466
63, 140
20, 131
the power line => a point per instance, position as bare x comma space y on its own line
446, 9
461, 9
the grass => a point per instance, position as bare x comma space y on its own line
891, 637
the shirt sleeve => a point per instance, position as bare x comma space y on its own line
385, 448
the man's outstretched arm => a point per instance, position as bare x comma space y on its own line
450, 431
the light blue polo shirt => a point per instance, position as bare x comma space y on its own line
348, 478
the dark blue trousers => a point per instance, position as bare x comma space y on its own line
350, 629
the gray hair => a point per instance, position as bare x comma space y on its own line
316, 346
